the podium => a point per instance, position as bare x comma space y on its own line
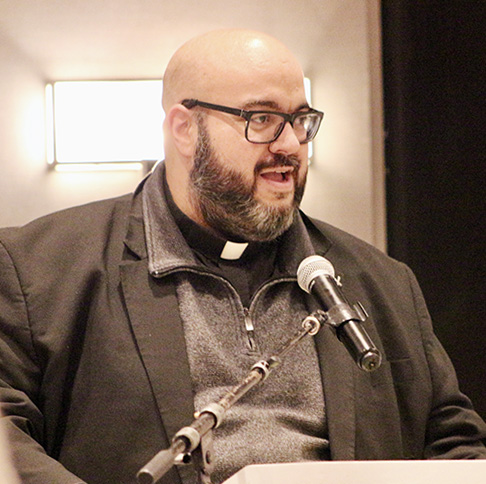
359, 472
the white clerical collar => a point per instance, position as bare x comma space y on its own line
233, 250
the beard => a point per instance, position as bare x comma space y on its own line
227, 202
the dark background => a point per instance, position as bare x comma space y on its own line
435, 123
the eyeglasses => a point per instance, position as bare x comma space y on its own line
266, 126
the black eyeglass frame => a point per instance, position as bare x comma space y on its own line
246, 115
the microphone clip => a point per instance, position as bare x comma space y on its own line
345, 321
343, 313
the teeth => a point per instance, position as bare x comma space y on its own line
284, 171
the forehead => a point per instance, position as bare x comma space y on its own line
274, 85
236, 68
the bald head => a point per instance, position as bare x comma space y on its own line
214, 65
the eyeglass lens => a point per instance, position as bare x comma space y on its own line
266, 127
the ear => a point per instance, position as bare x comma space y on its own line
182, 129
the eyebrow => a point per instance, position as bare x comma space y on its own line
270, 104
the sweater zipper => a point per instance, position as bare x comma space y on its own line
250, 330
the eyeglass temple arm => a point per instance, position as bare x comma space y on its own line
191, 103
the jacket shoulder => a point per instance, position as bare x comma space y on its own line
72, 237
346, 245
80, 222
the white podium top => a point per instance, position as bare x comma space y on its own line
369, 472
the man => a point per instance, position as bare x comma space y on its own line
122, 317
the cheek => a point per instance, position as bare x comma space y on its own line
225, 132
237, 154
304, 167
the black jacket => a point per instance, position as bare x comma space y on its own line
94, 378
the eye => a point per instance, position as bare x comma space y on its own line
303, 118
261, 119
265, 121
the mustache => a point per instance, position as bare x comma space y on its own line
276, 161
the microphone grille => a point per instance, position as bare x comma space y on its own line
310, 268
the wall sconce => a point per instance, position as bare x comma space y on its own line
104, 125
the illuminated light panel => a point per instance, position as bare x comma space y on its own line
50, 148
104, 122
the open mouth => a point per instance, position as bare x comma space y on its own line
280, 175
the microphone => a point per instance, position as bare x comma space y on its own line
316, 276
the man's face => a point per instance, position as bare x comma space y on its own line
241, 189
251, 199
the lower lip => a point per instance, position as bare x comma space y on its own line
283, 185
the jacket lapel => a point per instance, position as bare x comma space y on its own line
337, 377
157, 328
337, 369
362, 410
154, 315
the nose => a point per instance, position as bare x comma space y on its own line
287, 142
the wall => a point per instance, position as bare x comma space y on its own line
28, 189
346, 179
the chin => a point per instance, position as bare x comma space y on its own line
276, 198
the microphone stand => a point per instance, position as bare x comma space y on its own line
195, 441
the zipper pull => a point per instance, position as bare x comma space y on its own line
250, 330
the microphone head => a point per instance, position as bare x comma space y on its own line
310, 268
